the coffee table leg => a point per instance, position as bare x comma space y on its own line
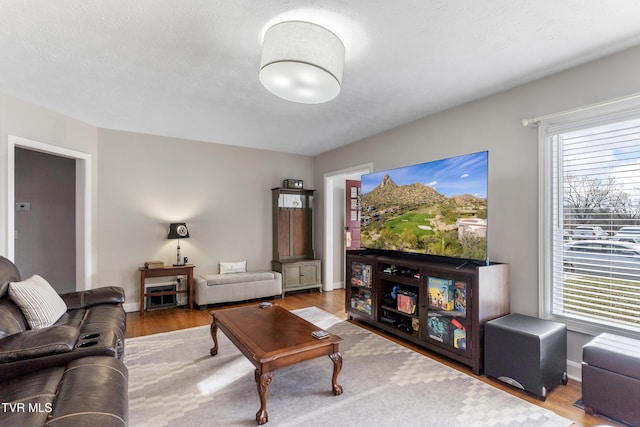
336, 358
214, 335
262, 381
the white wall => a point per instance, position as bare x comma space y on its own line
221, 192
493, 124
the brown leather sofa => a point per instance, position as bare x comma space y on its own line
70, 373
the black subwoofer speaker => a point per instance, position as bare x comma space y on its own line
526, 352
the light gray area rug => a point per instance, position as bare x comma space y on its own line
173, 381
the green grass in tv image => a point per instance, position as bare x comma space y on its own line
413, 232
427, 230
415, 222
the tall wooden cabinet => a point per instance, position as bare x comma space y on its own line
436, 302
293, 253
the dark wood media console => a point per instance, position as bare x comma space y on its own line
438, 303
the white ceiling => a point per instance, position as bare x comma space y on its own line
189, 68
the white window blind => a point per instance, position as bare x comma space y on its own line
592, 196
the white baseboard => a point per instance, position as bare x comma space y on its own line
131, 306
574, 370
335, 285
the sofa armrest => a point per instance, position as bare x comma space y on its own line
104, 295
38, 343
93, 392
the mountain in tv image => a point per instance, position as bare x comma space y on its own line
416, 217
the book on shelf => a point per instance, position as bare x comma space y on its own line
361, 274
460, 297
438, 328
459, 334
154, 264
441, 293
407, 302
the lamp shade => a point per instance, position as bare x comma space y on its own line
178, 230
302, 62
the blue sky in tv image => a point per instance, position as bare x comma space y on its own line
466, 174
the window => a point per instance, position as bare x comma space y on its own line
590, 218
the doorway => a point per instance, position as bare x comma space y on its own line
45, 234
62, 257
334, 211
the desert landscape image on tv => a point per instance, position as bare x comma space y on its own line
437, 208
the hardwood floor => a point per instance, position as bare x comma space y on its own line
559, 400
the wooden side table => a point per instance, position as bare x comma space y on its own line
180, 270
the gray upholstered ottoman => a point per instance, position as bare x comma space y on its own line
611, 377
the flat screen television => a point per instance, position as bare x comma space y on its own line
436, 208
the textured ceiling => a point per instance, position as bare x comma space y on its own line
189, 68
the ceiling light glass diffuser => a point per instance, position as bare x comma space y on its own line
302, 62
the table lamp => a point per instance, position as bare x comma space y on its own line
178, 230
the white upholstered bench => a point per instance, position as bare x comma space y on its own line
232, 287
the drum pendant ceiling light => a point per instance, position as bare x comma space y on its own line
302, 62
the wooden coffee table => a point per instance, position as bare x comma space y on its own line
272, 338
